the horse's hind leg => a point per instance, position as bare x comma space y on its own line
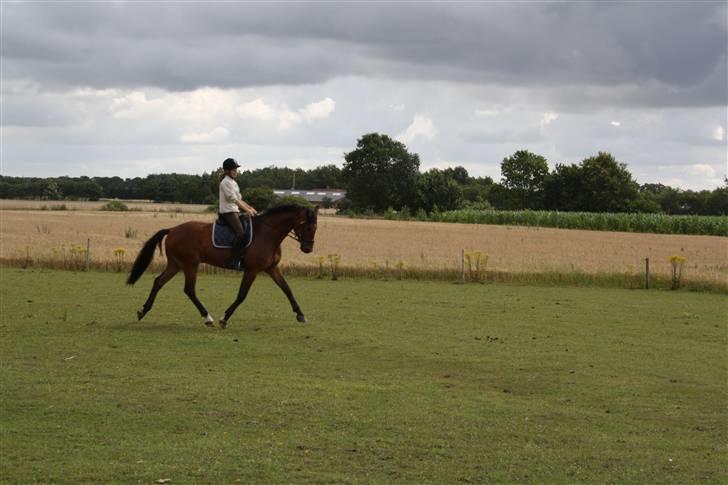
190, 281
277, 276
159, 282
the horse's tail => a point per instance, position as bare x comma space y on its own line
145, 256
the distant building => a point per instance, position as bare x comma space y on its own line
315, 196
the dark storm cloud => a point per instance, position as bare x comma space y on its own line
651, 53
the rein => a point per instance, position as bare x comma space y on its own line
291, 233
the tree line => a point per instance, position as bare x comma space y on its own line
381, 175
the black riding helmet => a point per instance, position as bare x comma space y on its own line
229, 164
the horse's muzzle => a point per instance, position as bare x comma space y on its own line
307, 247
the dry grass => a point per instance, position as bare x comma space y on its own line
381, 244
142, 205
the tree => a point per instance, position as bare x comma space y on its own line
438, 188
608, 185
524, 176
459, 174
380, 173
261, 198
324, 177
598, 184
52, 191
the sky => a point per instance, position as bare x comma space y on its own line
130, 88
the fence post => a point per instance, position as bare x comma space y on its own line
88, 253
647, 273
462, 265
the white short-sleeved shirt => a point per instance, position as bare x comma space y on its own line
229, 193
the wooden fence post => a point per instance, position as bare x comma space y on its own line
647, 273
462, 265
88, 254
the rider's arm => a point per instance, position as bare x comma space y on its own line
245, 207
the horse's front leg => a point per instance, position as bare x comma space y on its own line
248, 279
277, 276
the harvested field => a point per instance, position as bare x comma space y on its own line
142, 205
381, 243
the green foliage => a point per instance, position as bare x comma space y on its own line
649, 223
438, 188
524, 176
115, 205
291, 199
438, 381
52, 191
380, 173
598, 184
261, 198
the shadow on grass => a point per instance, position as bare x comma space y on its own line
185, 326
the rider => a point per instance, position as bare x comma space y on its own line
231, 203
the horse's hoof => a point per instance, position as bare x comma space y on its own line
222, 323
301, 318
209, 321
140, 314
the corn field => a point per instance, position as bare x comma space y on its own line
645, 223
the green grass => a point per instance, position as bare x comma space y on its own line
392, 381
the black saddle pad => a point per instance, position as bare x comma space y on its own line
223, 236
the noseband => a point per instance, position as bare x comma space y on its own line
310, 219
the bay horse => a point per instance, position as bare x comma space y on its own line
190, 244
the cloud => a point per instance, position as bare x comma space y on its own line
217, 135
574, 48
318, 111
283, 116
702, 170
616, 123
718, 133
481, 113
548, 118
421, 127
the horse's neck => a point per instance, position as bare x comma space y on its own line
284, 222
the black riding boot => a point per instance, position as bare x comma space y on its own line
237, 259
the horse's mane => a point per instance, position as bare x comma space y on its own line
280, 209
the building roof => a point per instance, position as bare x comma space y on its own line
315, 195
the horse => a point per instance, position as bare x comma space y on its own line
189, 244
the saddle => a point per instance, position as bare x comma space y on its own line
223, 235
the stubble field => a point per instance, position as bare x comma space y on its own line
381, 244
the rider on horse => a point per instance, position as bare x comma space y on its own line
231, 203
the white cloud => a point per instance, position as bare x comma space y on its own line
320, 110
284, 116
702, 170
258, 110
200, 105
547, 118
134, 105
616, 123
218, 135
719, 133
421, 126
397, 108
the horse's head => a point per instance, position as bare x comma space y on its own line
305, 229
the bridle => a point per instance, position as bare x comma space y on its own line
310, 219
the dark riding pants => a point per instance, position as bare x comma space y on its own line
233, 220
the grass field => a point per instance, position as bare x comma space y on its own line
378, 244
396, 381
